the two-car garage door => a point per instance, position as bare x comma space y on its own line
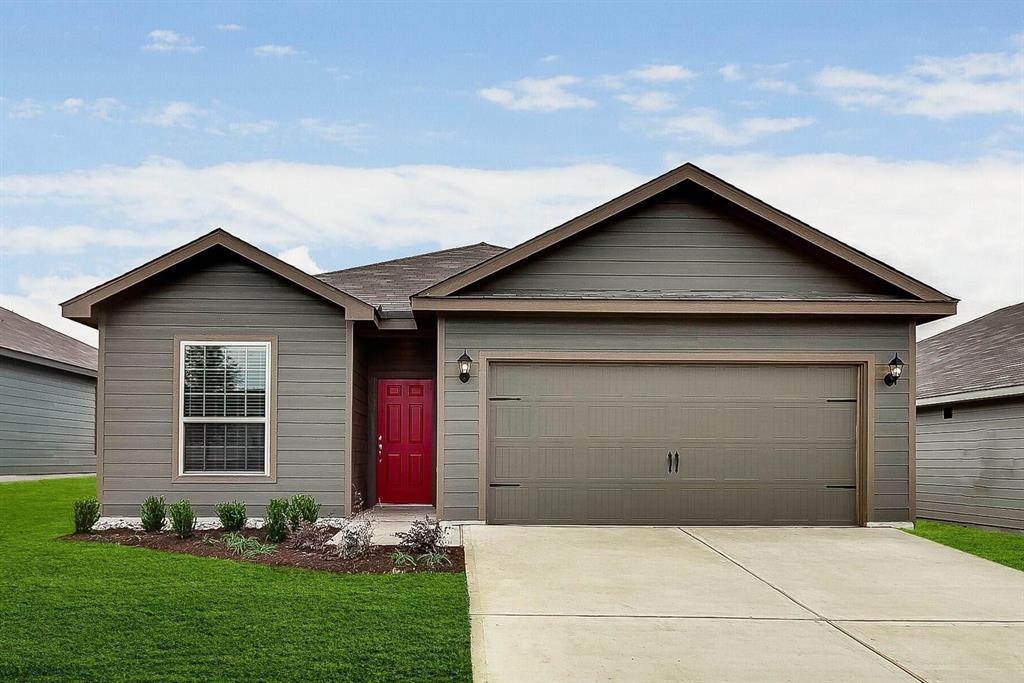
634, 443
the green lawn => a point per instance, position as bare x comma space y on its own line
999, 546
90, 611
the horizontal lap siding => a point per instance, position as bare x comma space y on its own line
223, 297
47, 420
970, 468
695, 334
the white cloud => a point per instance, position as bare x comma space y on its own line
252, 127
275, 51
40, 299
935, 87
103, 108
228, 28
174, 115
731, 72
654, 100
661, 73
777, 85
709, 125
538, 94
25, 109
71, 105
347, 133
300, 258
163, 40
548, 59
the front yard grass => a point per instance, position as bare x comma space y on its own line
1003, 547
92, 611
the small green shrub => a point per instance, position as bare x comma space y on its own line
275, 520
231, 515
306, 507
247, 547
87, 513
183, 519
154, 513
435, 560
401, 559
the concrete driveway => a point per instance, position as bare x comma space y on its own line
737, 604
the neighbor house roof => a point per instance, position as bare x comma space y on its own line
31, 341
389, 285
924, 301
983, 358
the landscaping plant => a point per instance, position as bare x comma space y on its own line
310, 538
306, 507
247, 547
425, 536
154, 513
275, 520
434, 560
231, 515
87, 513
403, 559
183, 519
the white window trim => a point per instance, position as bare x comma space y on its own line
182, 420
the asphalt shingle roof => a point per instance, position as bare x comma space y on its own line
985, 353
388, 285
18, 333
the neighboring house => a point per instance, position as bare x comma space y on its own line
47, 400
970, 422
682, 354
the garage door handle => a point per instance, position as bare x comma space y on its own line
677, 461
670, 462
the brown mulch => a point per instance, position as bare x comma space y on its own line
376, 561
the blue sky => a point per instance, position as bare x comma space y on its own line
340, 134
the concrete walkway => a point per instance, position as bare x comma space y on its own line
737, 604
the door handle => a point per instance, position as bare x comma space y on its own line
670, 462
677, 461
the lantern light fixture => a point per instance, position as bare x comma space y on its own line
465, 365
895, 371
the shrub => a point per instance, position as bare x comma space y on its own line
275, 520
231, 515
154, 513
183, 519
356, 538
247, 547
311, 538
87, 513
425, 536
305, 507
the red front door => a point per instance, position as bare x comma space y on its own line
405, 441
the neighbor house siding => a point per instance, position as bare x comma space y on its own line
220, 294
477, 334
47, 420
970, 466
679, 245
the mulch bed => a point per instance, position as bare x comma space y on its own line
376, 561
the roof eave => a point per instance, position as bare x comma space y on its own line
968, 396
47, 362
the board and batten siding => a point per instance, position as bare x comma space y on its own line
567, 334
222, 295
970, 466
47, 420
678, 245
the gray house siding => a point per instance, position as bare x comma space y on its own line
678, 245
222, 295
970, 466
47, 420
478, 334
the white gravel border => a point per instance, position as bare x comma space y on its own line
202, 523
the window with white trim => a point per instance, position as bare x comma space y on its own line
224, 407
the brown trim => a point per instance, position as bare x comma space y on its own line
271, 476
46, 362
676, 306
350, 384
865, 404
82, 307
439, 382
101, 390
912, 420
698, 176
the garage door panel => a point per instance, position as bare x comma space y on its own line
587, 443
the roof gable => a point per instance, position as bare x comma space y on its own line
83, 307
34, 342
691, 174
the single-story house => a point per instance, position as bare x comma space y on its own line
47, 400
684, 353
970, 422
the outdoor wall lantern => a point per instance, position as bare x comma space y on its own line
895, 371
465, 363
